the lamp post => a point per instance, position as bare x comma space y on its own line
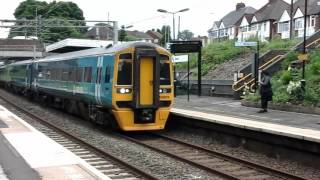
303, 81
173, 20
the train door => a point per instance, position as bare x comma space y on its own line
146, 81
98, 80
106, 80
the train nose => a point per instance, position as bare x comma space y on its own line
146, 115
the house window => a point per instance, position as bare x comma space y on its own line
244, 29
298, 23
283, 27
265, 26
254, 27
214, 34
312, 21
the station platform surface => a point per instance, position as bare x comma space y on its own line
228, 111
26, 153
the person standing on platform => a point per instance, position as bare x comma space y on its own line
265, 90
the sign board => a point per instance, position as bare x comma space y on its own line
168, 45
303, 57
181, 58
245, 44
185, 46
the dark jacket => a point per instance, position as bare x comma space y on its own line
265, 88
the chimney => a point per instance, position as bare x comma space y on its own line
240, 6
272, 1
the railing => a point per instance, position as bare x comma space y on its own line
248, 79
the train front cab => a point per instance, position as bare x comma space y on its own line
143, 88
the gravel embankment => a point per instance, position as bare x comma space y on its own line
143, 158
205, 139
157, 164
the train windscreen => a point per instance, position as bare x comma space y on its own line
125, 70
164, 70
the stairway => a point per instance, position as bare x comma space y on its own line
271, 61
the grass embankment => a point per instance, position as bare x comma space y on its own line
219, 52
286, 84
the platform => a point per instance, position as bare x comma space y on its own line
227, 111
26, 153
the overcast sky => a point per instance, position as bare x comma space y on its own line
143, 15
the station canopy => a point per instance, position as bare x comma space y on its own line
70, 45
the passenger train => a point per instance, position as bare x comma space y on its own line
128, 85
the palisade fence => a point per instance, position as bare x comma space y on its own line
209, 87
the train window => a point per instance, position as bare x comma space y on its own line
124, 72
87, 74
72, 74
125, 56
53, 74
164, 57
59, 74
79, 74
65, 74
47, 74
108, 74
164, 73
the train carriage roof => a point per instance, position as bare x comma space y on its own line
90, 52
97, 51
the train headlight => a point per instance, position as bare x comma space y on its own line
124, 90
164, 90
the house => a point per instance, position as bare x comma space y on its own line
139, 36
101, 32
156, 36
203, 39
227, 27
313, 20
263, 24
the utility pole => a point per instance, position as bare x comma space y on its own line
291, 19
179, 28
303, 81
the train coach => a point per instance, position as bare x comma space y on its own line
129, 85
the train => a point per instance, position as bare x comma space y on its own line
128, 86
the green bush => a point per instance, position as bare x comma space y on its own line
278, 43
285, 77
292, 56
253, 97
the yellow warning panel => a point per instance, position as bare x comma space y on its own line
303, 57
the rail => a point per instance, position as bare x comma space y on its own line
103, 154
214, 162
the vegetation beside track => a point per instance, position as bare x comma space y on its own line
286, 84
219, 52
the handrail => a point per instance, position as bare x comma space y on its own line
313, 42
234, 86
236, 83
269, 62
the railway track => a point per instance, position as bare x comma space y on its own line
214, 162
108, 164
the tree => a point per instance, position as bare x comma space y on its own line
55, 11
122, 34
29, 9
185, 35
166, 35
